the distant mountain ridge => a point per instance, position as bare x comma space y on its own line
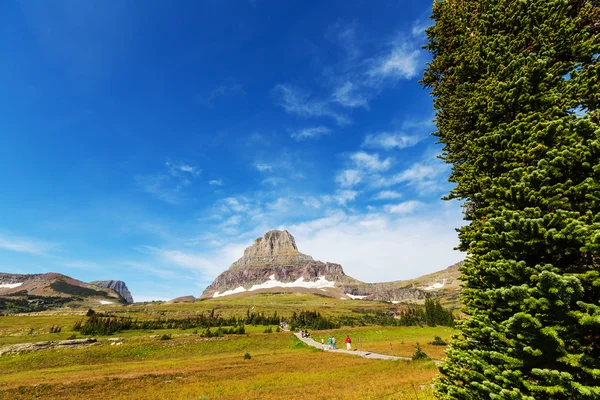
118, 286
53, 284
274, 263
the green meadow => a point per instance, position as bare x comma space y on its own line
254, 365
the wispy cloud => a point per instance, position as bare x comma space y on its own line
350, 95
406, 207
274, 181
341, 197
423, 176
178, 169
26, 245
224, 90
300, 103
216, 182
387, 195
362, 164
169, 186
310, 133
349, 177
389, 141
370, 162
402, 61
262, 167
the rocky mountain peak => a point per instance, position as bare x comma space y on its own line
273, 243
275, 247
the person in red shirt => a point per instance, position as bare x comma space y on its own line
348, 343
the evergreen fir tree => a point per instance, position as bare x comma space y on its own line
516, 87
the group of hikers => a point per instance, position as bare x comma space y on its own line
332, 344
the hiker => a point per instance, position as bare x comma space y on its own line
333, 342
348, 343
302, 332
329, 343
322, 343
306, 334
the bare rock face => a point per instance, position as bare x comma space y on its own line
118, 286
275, 248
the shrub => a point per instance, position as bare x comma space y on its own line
247, 356
268, 330
438, 342
166, 337
419, 354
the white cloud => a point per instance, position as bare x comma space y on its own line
216, 182
341, 197
262, 166
406, 207
297, 102
387, 195
419, 26
370, 162
424, 176
22, 245
351, 95
389, 141
177, 168
274, 181
311, 133
349, 177
236, 205
402, 62
384, 247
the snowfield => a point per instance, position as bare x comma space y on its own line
438, 285
355, 297
10, 285
320, 283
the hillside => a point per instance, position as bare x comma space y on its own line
35, 292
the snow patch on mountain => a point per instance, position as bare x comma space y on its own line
10, 285
320, 283
437, 285
355, 297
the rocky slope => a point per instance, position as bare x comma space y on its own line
56, 285
118, 286
274, 263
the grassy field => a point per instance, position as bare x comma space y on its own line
192, 367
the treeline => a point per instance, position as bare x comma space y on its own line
21, 302
431, 314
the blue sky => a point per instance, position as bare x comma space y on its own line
152, 144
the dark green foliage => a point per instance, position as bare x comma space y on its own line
100, 324
62, 286
73, 336
166, 337
268, 330
90, 312
438, 342
24, 303
516, 86
247, 356
419, 354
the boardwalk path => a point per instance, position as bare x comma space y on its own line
364, 354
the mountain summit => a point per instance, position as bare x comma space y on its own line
274, 263
274, 248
